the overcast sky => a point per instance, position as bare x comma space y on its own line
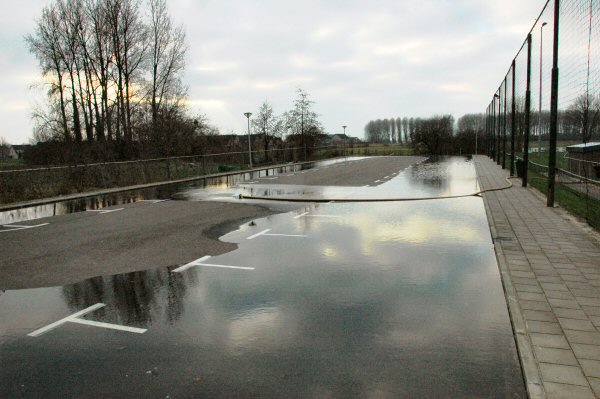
358, 59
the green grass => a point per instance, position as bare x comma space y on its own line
573, 201
9, 164
381, 149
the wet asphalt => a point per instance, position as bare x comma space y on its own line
311, 300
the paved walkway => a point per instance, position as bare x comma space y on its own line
550, 269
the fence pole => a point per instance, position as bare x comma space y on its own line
512, 123
553, 110
486, 129
504, 127
527, 115
497, 141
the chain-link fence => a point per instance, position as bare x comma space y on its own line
543, 122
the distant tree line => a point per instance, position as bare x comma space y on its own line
113, 71
392, 130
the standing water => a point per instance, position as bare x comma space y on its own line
357, 300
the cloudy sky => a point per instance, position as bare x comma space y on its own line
358, 59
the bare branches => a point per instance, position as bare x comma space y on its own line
109, 65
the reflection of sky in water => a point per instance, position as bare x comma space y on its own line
384, 300
432, 178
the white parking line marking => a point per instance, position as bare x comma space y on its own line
285, 235
108, 325
199, 262
67, 319
258, 234
191, 264
15, 227
103, 211
386, 177
225, 266
377, 181
154, 201
74, 318
299, 216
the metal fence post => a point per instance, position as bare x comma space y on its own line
512, 123
553, 110
504, 127
527, 115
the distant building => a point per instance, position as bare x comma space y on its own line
7, 152
584, 159
20, 149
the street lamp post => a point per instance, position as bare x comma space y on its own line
344, 142
248, 115
540, 108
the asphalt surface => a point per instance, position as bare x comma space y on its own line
353, 173
145, 235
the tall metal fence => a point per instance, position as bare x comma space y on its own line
543, 121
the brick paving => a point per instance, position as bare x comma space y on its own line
550, 267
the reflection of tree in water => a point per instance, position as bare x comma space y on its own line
433, 172
134, 299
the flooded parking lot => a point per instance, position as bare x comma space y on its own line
398, 299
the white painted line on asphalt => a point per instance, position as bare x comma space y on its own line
386, 177
300, 215
323, 216
285, 235
15, 227
191, 264
270, 178
377, 181
225, 266
108, 325
258, 234
52, 326
103, 211
291, 174
154, 201
250, 182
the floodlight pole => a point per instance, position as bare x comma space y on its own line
541, 82
248, 115
344, 140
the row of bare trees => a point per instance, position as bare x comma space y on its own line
393, 130
113, 70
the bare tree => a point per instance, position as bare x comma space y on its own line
584, 116
267, 124
4, 149
167, 52
45, 44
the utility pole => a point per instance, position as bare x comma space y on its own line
248, 115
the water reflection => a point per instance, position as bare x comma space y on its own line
166, 191
378, 300
134, 299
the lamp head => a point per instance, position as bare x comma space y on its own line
544, 24
248, 114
